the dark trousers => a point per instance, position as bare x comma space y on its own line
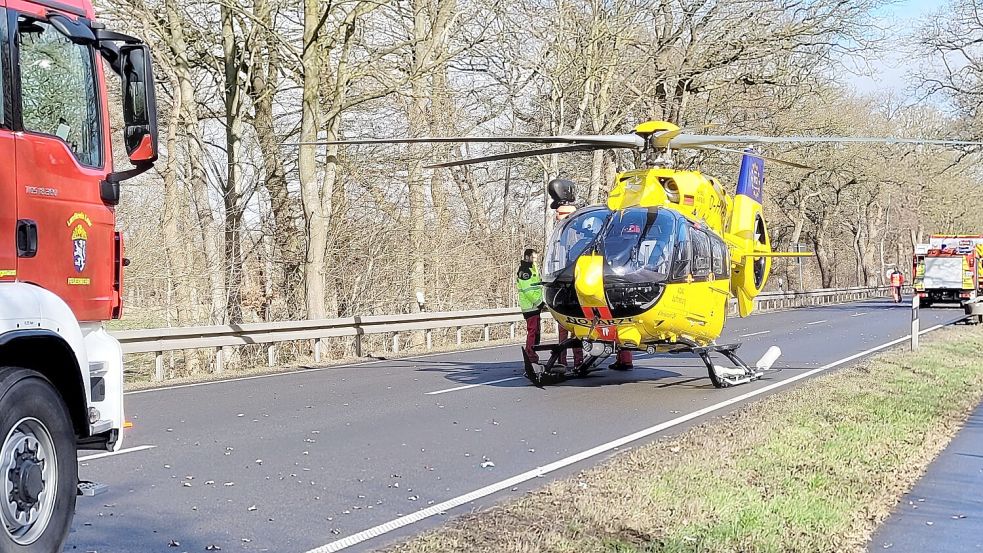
578, 353
533, 333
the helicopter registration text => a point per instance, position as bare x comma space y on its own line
581, 321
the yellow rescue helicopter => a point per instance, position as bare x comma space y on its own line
655, 267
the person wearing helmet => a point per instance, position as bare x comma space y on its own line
530, 289
585, 234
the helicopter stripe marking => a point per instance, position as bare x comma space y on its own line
755, 333
459, 388
537, 472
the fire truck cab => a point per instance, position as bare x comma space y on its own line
61, 258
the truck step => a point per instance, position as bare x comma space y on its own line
91, 489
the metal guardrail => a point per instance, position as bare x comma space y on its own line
161, 340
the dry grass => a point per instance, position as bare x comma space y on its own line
812, 469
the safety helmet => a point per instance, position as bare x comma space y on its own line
592, 225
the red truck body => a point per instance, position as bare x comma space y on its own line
78, 250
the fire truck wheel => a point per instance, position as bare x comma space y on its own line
38, 468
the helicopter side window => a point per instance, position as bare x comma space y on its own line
721, 262
701, 254
681, 261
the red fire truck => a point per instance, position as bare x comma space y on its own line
61, 259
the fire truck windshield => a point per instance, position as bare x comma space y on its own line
58, 89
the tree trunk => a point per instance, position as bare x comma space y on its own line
286, 240
231, 190
211, 238
314, 215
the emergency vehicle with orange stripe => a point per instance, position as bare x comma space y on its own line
949, 268
61, 257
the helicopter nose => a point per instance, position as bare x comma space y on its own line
588, 278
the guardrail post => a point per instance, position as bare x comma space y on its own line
395, 342
915, 301
271, 355
429, 341
486, 333
512, 331
458, 335
219, 360
318, 343
359, 331
158, 366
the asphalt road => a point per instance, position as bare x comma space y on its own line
944, 511
299, 461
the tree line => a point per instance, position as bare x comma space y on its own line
243, 220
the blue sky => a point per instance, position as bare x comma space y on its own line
889, 70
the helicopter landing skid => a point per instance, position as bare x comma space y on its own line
550, 372
725, 377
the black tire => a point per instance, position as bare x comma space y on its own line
715, 380
30, 405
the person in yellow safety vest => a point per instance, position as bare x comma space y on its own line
897, 281
530, 289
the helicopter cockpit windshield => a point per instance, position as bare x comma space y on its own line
639, 240
633, 241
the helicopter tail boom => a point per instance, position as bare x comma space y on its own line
748, 236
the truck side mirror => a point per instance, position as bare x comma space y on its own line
139, 104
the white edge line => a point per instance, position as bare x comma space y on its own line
459, 388
114, 453
859, 314
755, 334
411, 518
818, 322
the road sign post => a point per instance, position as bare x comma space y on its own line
915, 300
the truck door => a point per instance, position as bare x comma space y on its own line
8, 207
62, 158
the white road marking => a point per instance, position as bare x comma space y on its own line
818, 322
412, 518
861, 314
755, 333
473, 385
114, 453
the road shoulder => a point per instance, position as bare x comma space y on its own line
944, 510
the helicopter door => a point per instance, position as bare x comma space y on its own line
703, 299
720, 285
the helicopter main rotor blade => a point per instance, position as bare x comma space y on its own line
701, 140
519, 154
605, 140
795, 164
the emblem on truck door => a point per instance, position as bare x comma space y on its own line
80, 239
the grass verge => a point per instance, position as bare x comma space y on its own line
812, 469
